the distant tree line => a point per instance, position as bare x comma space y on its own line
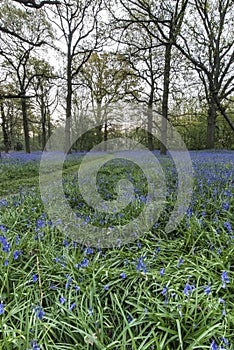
173, 58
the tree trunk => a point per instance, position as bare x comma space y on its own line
211, 124
43, 125
105, 135
166, 83
4, 129
99, 122
68, 105
25, 125
150, 126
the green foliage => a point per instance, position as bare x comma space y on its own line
160, 292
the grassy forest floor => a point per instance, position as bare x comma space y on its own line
161, 291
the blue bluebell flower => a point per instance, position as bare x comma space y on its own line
16, 254
188, 289
69, 281
89, 251
129, 318
34, 278
228, 226
162, 271
5, 244
71, 307
17, 240
180, 262
123, 275
207, 290
2, 310
213, 346
34, 345
141, 265
39, 312
225, 279
66, 243
62, 300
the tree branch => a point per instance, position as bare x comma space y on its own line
37, 5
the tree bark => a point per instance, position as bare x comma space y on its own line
150, 125
211, 124
43, 125
105, 137
25, 125
4, 129
68, 104
166, 83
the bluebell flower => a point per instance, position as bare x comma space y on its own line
224, 340
69, 281
207, 290
180, 262
157, 250
225, 206
6, 262
40, 223
123, 275
34, 345
71, 307
164, 291
162, 271
17, 240
228, 226
89, 251
225, 279
141, 265
34, 278
77, 288
83, 263
3, 228
5, 244
16, 254
213, 346
62, 300
2, 310
3, 202
188, 289
66, 243
90, 310
106, 287
39, 312
129, 318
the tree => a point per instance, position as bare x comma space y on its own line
109, 78
45, 95
208, 44
143, 54
77, 21
162, 21
17, 55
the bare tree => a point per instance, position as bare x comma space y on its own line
16, 56
77, 22
207, 41
162, 20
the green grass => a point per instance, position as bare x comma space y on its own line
162, 301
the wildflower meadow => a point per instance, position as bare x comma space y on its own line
168, 291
